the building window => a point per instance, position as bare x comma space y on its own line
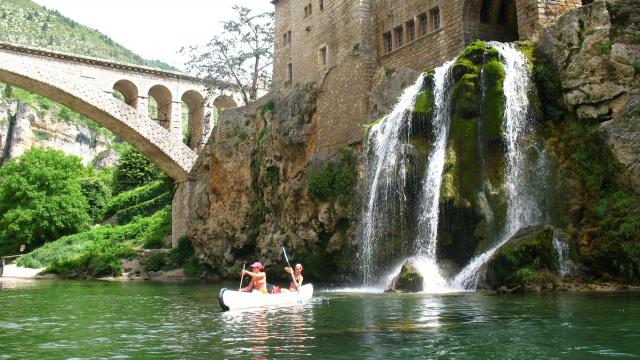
435, 18
411, 31
388, 43
321, 5
323, 56
289, 37
422, 20
399, 38
289, 72
307, 10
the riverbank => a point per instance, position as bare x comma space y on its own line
18, 272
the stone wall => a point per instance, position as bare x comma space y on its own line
353, 34
343, 29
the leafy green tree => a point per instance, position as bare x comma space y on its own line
133, 170
97, 193
40, 199
242, 55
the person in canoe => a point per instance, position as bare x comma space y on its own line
258, 279
297, 277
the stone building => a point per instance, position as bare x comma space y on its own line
341, 44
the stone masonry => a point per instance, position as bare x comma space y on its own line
137, 84
340, 44
86, 85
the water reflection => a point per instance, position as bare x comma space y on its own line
268, 333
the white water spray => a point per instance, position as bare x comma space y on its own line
428, 217
386, 172
565, 265
523, 209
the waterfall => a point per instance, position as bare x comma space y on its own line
565, 265
522, 206
387, 148
428, 216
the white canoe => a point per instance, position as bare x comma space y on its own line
232, 300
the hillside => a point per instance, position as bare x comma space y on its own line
25, 22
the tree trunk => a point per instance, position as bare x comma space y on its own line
254, 85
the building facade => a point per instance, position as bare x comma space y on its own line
340, 44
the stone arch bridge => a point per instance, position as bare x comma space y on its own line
87, 86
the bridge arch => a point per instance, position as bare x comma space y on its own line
129, 91
490, 20
195, 103
224, 102
164, 100
132, 126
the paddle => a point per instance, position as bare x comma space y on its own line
292, 276
242, 276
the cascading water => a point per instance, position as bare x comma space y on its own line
387, 174
427, 239
565, 265
522, 206
388, 148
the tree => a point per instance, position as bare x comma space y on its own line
40, 199
242, 55
133, 170
97, 193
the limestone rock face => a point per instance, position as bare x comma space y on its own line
408, 280
386, 87
594, 50
21, 127
623, 135
252, 193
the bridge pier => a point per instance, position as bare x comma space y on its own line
175, 126
180, 208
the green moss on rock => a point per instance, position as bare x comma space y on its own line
529, 256
493, 114
424, 102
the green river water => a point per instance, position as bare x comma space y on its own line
97, 319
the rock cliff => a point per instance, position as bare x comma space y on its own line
22, 127
260, 185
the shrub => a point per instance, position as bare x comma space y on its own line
145, 208
133, 170
604, 48
183, 251
136, 196
156, 262
158, 229
192, 267
97, 193
269, 106
334, 179
40, 199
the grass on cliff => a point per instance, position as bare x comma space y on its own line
334, 179
97, 252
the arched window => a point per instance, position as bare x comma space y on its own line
490, 20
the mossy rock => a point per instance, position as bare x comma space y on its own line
408, 280
494, 101
528, 253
